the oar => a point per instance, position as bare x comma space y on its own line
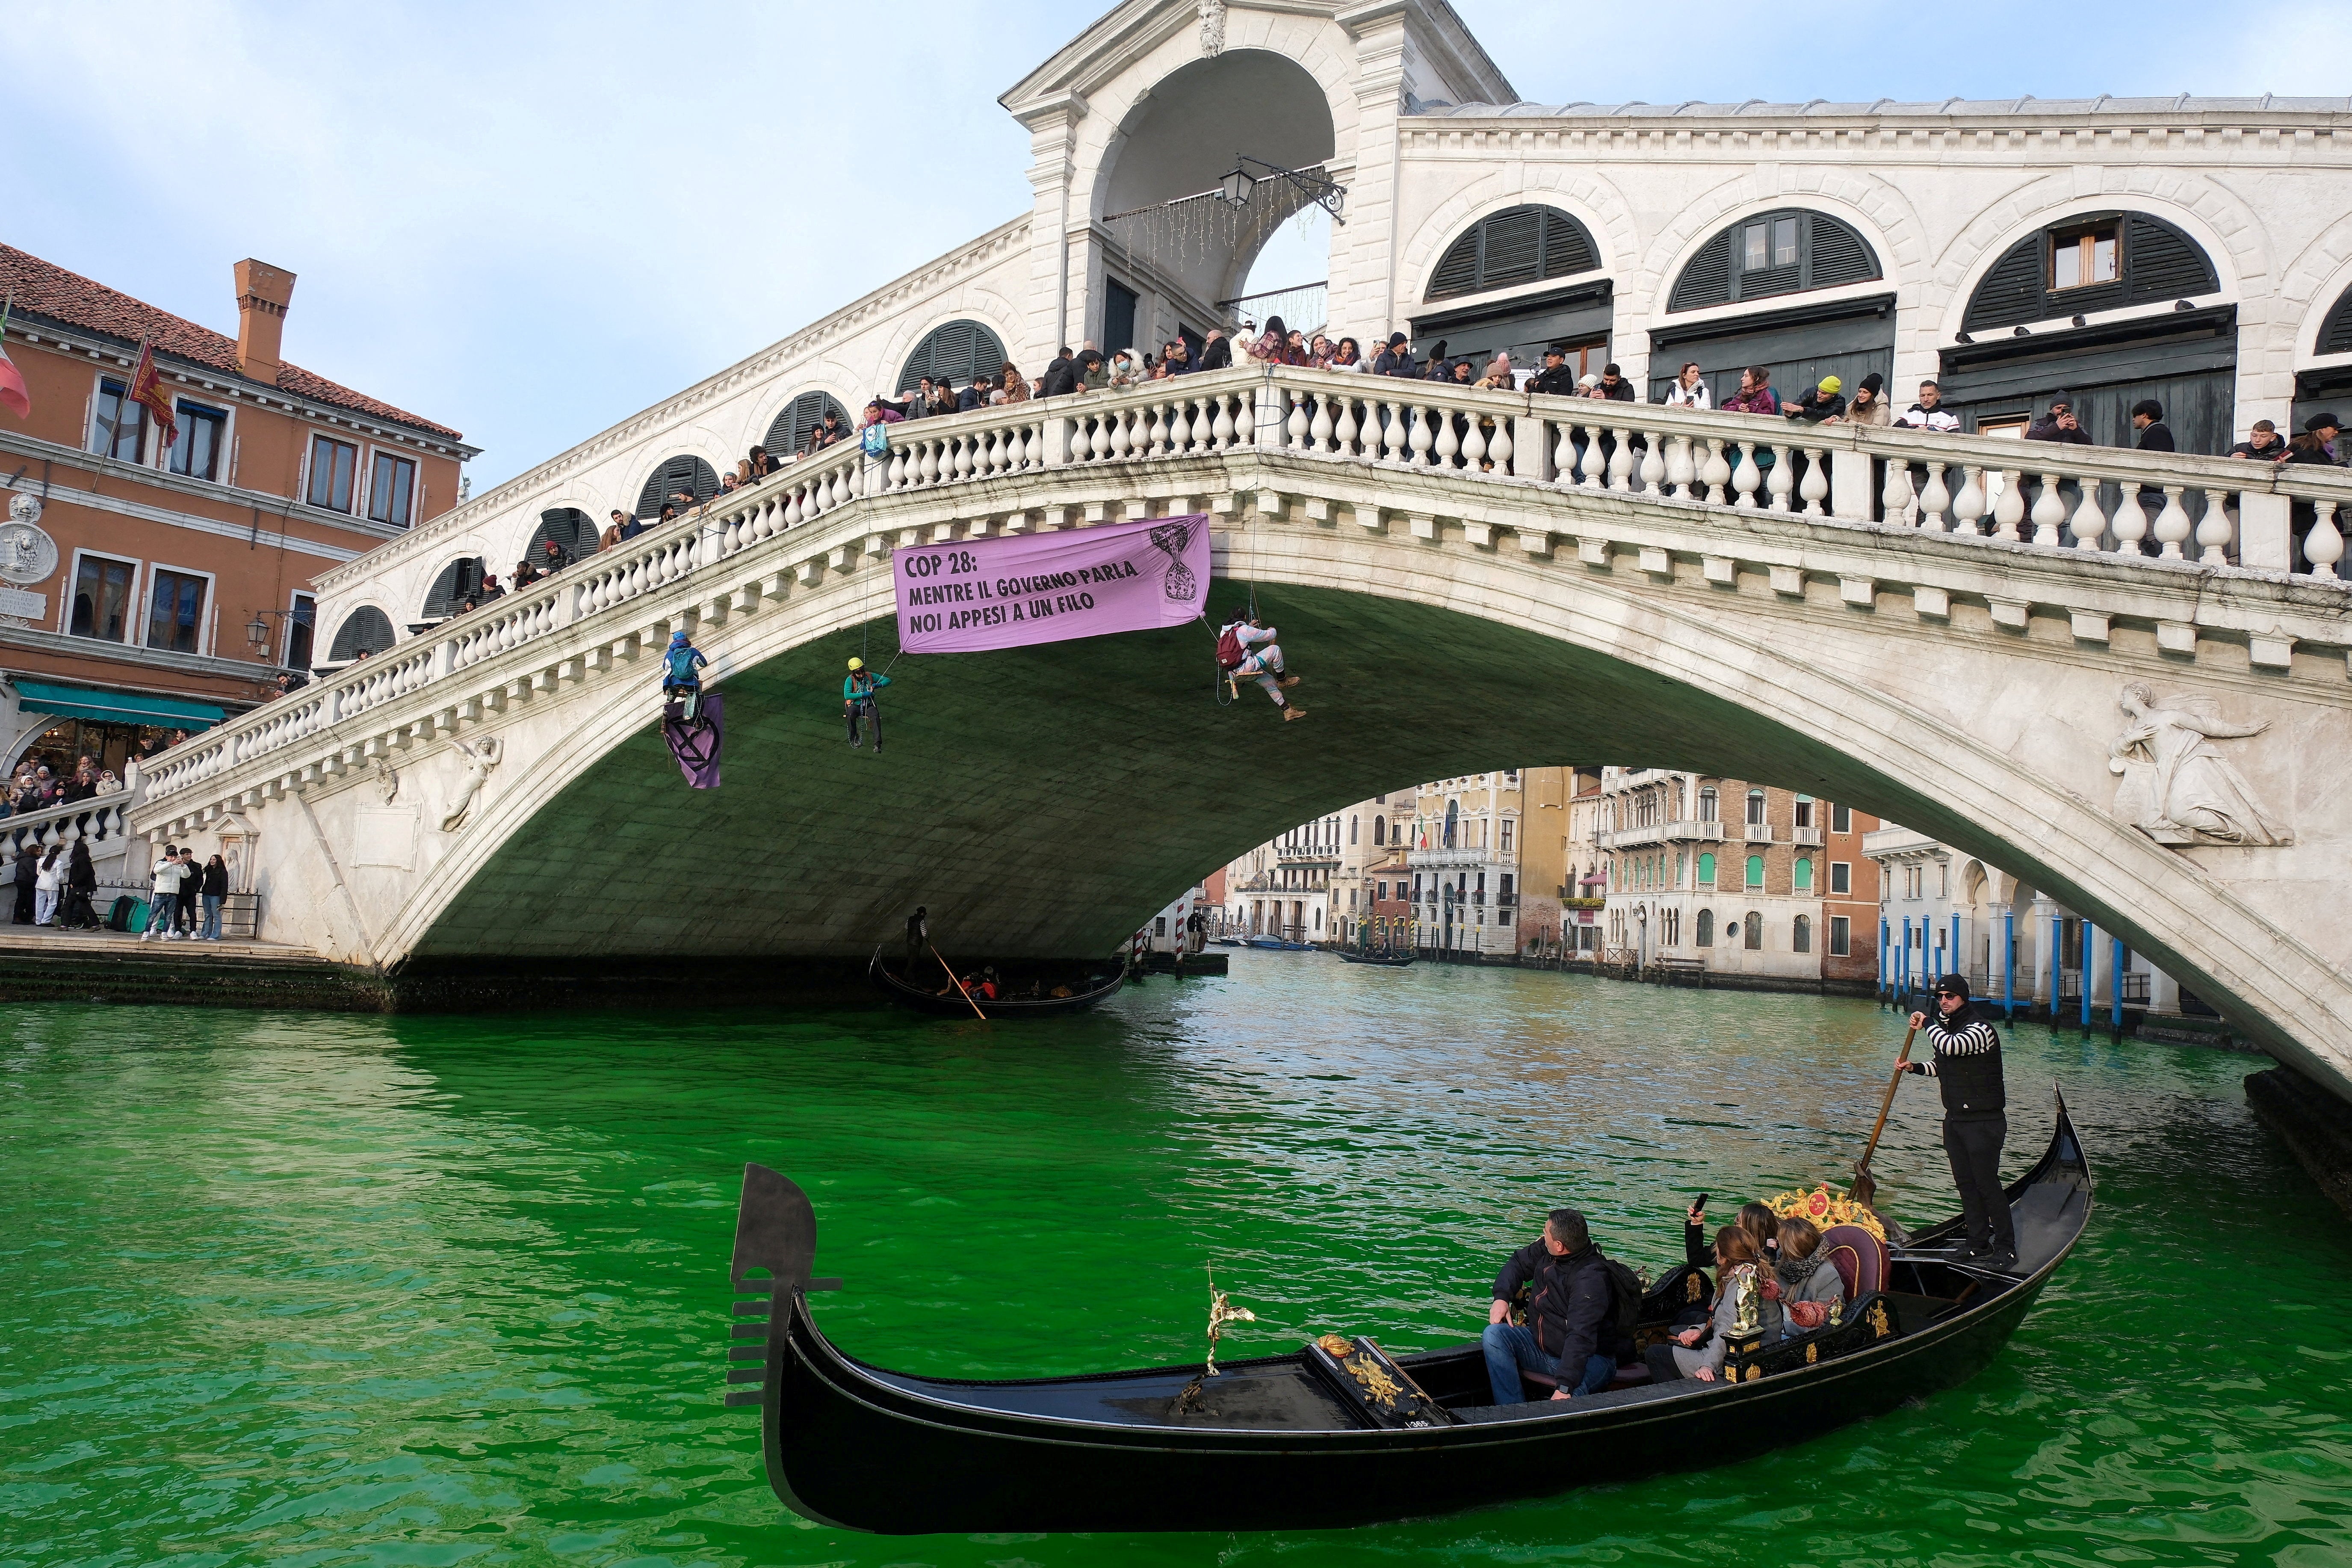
984, 1017
1865, 1186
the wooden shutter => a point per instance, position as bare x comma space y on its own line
1457, 273
679, 476
2012, 293
366, 628
1840, 255
800, 416
457, 579
2335, 332
1568, 250
957, 351
1707, 280
1513, 246
1518, 246
2162, 263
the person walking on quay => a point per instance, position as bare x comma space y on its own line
81, 882
1967, 1067
165, 901
213, 889
857, 691
28, 871
44, 885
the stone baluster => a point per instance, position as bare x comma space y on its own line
2088, 521
2130, 524
1345, 430
1498, 449
2009, 509
1782, 481
1296, 426
2049, 511
927, 470
1033, 447
1121, 443
1564, 453
1319, 428
1473, 447
843, 484
1422, 438
1716, 473
1896, 499
1682, 471
2214, 534
1621, 461
1745, 477
962, 447
1155, 436
1653, 464
2172, 523
1224, 427
1814, 488
1179, 429
1447, 446
1393, 433
1969, 506
1935, 500
2324, 545
1592, 471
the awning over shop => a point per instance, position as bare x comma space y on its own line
115, 707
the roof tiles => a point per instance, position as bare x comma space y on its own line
2027, 107
44, 288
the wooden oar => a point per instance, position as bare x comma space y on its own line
984, 1017
1865, 1186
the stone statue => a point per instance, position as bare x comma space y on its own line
388, 781
480, 756
2177, 788
1213, 27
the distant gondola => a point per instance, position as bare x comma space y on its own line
953, 1006
1312, 1440
1382, 960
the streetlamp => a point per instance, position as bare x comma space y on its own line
1236, 188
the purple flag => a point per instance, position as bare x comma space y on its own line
987, 593
696, 746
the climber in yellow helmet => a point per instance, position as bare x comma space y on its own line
857, 701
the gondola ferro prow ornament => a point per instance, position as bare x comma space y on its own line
1222, 1311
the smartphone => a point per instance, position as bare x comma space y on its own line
1699, 1202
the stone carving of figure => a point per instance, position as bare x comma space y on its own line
2177, 787
480, 756
388, 781
1213, 27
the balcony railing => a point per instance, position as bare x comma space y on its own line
1759, 832
1806, 835
2220, 513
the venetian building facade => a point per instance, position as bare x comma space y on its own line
1485, 871
2194, 251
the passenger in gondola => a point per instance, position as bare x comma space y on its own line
1806, 1284
1567, 1313
1763, 1227
1699, 1351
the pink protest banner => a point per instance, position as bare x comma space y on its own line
985, 594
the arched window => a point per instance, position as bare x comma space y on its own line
1754, 808
1352, 829
1709, 810
1803, 880
954, 352
457, 579
1380, 829
2335, 332
1785, 252
1755, 872
1751, 934
680, 475
571, 530
1801, 935
2093, 262
1524, 245
803, 414
1706, 868
1706, 933
365, 630
1453, 820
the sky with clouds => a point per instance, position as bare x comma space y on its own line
529, 220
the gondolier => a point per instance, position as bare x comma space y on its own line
1966, 1068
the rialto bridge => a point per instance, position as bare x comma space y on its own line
1908, 623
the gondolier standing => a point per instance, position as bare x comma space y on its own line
1966, 1068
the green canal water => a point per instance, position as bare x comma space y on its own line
309, 1289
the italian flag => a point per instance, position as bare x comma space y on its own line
13, 395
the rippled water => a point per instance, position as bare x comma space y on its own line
310, 1290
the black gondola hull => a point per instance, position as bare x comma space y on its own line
870, 1450
954, 1005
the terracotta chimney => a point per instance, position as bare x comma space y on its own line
263, 292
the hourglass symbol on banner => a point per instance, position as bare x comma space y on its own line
1180, 585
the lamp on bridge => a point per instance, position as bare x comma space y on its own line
1236, 188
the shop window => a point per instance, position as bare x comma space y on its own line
334, 467
101, 599
197, 452
175, 611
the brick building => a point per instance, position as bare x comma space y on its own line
147, 587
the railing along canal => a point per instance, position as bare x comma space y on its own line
2217, 512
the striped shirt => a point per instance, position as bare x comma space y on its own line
1973, 1039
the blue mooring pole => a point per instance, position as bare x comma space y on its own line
2008, 967
2090, 952
2116, 978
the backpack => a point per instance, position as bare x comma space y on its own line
118, 916
1625, 1290
1230, 652
875, 440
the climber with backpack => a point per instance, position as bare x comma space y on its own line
857, 701
680, 683
1579, 1308
1247, 651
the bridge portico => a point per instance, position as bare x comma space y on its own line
1450, 616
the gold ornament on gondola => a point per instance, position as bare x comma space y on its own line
1221, 1312
1377, 1383
1825, 1208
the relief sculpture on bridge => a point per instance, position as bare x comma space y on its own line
2177, 787
480, 756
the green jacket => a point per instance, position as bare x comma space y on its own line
851, 691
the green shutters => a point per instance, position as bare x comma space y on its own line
1804, 876
1755, 870
1706, 869
1524, 245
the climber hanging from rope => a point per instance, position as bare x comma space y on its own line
857, 701
680, 683
1247, 651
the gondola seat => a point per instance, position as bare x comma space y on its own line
1859, 1257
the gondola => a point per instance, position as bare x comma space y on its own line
1382, 960
1315, 1440
954, 1007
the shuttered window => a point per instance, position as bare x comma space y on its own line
2335, 332
1773, 252
954, 352
2159, 262
1524, 245
457, 580
365, 630
802, 415
679, 476
574, 532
